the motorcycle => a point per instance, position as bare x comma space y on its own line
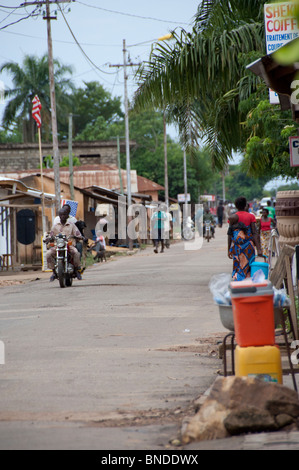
188, 229
64, 269
208, 231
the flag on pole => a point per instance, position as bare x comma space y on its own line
73, 205
36, 111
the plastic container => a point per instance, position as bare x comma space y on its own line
226, 316
253, 313
261, 362
256, 265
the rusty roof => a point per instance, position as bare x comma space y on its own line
144, 185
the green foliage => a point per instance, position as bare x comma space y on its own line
10, 137
238, 183
65, 161
93, 105
197, 74
30, 79
267, 149
48, 161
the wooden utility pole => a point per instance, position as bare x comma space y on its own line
126, 104
56, 156
53, 110
71, 167
165, 163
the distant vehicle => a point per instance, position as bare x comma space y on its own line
264, 203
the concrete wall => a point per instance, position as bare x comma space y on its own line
26, 156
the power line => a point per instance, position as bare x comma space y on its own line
12, 8
131, 14
80, 47
31, 15
12, 13
60, 40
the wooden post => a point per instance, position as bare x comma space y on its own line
292, 296
42, 180
281, 272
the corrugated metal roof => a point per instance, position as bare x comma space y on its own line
144, 184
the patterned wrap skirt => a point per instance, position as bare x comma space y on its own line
265, 236
243, 252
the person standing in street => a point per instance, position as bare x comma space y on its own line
271, 210
158, 220
265, 225
220, 214
167, 226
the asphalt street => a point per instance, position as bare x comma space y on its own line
116, 361
127, 345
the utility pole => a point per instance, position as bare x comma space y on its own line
126, 104
165, 163
119, 167
128, 161
53, 110
185, 184
71, 169
56, 157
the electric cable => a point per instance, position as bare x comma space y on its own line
12, 8
21, 19
80, 47
131, 14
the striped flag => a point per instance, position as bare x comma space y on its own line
36, 111
73, 205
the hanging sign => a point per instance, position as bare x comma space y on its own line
281, 27
294, 151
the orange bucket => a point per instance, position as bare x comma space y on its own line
253, 312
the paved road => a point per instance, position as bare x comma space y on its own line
116, 361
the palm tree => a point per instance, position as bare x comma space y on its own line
197, 77
29, 79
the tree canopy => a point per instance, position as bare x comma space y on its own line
30, 79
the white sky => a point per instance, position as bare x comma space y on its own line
100, 27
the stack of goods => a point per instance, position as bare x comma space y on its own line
256, 353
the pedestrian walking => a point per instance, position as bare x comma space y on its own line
242, 240
220, 214
265, 225
158, 220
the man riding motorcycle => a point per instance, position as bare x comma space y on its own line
208, 217
70, 230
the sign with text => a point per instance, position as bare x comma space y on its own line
182, 198
281, 27
208, 198
294, 151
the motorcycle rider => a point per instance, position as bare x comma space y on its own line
208, 217
70, 230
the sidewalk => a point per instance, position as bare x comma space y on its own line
21, 277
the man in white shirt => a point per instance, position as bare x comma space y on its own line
71, 218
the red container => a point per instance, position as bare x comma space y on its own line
253, 313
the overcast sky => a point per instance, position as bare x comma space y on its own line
100, 28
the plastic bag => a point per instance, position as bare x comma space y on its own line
281, 298
219, 287
259, 276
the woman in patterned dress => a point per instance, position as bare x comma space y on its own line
242, 240
265, 225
